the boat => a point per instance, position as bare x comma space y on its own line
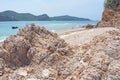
14, 27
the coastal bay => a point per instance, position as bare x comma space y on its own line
6, 27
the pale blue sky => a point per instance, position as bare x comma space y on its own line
80, 8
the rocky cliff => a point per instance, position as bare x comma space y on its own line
111, 14
35, 53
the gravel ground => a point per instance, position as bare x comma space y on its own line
84, 36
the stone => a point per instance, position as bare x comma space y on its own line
35, 53
27, 45
89, 26
17, 48
31, 79
21, 72
111, 15
2, 66
45, 73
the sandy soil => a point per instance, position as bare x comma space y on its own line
82, 35
68, 31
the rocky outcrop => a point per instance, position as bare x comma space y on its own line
111, 14
104, 57
97, 60
89, 26
18, 50
35, 53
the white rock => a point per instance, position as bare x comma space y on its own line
45, 73
22, 72
31, 79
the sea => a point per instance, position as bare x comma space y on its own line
6, 27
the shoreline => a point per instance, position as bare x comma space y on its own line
68, 31
74, 29
2, 39
59, 32
73, 33
80, 36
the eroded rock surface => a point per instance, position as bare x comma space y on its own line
34, 53
31, 41
111, 15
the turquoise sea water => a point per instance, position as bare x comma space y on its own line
6, 30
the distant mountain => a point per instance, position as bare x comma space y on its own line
14, 16
68, 18
43, 17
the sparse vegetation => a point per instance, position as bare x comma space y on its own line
108, 3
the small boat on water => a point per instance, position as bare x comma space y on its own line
14, 27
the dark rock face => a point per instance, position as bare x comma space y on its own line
89, 26
17, 48
111, 15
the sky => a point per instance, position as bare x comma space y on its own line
91, 9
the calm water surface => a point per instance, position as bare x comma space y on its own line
6, 30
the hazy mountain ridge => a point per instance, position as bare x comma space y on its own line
14, 16
68, 18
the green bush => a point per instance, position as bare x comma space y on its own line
108, 3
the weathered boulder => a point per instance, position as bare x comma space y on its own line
33, 43
89, 26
